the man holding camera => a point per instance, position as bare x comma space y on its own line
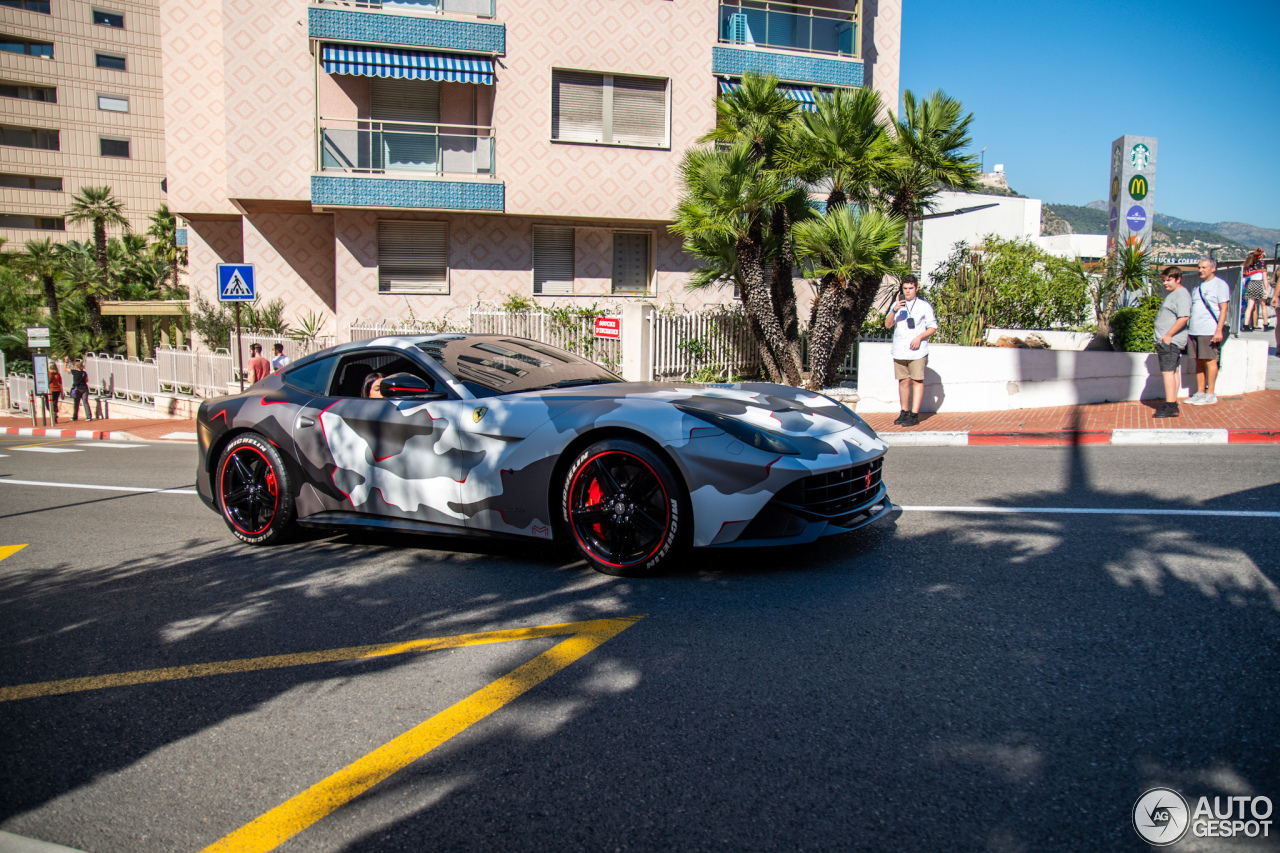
913, 323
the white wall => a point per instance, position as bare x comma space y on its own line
1011, 218
1075, 245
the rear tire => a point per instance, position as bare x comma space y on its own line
623, 508
253, 492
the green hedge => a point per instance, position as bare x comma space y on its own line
1134, 329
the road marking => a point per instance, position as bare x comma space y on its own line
10, 550
1056, 510
200, 670
100, 488
181, 436
109, 444
294, 815
46, 449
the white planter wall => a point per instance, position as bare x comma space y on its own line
993, 379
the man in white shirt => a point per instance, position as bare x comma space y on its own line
1208, 315
913, 323
279, 361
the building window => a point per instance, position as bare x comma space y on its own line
108, 19
413, 257
32, 223
30, 182
632, 262
29, 137
113, 103
41, 6
10, 89
106, 60
113, 147
609, 109
552, 261
14, 44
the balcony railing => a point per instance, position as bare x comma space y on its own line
363, 147
789, 26
483, 8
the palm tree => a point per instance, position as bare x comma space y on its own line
164, 230
850, 251
929, 138
83, 276
842, 143
41, 261
99, 206
729, 201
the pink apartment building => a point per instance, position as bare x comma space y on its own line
375, 158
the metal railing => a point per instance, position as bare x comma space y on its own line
361, 146
710, 341
482, 8
789, 26
575, 334
201, 374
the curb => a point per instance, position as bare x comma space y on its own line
99, 435
1128, 437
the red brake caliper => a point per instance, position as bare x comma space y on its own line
271, 482
594, 494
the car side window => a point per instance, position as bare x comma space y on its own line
354, 369
312, 377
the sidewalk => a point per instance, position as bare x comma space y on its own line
116, 429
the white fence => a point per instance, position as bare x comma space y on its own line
712, 341
573, 333
292, 348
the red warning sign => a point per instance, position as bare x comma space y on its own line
608, 327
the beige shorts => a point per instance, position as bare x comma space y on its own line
909, 368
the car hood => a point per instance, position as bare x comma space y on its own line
777, 408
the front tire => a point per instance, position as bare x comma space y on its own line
253, 491
624, 509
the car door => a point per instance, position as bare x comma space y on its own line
390, 458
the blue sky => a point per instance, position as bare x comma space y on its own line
1051, 84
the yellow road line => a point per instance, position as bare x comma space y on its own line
201, 670
10, 550
293, 816
43, 443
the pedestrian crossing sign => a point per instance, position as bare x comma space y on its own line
236, 283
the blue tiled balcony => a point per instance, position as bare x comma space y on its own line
348, 191
791, 67
355, 25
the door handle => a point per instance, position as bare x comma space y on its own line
306, 422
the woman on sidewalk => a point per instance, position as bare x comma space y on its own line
55, 388
1255, 290
79, 391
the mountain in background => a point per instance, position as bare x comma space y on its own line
1172, 236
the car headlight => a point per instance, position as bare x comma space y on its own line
743, 431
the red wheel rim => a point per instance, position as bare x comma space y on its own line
249, 490
619, 509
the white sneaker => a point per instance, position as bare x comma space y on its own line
1196, 399
1209, 399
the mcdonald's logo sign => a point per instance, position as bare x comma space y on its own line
1138, 187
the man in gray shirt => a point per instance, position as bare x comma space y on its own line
1171, 336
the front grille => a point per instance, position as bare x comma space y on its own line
831, 495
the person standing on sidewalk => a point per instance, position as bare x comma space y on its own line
79, 391
259, 367
913, 323
1208, 315
55, 388
1255, 291
279, 361
1171, 337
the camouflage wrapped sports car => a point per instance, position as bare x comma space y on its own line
490, 435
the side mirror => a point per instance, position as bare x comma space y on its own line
406, 385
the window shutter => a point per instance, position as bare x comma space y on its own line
639, 111
630, 262
413, 257
552, 261
391, 99
577, 106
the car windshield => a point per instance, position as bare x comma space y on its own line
489, 365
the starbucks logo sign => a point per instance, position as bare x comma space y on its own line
1140, 157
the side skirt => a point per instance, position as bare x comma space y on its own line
339, 520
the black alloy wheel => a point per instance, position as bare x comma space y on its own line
625, 510
253, 490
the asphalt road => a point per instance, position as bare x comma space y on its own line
949, 681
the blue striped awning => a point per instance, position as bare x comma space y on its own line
795, 93
405, 64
